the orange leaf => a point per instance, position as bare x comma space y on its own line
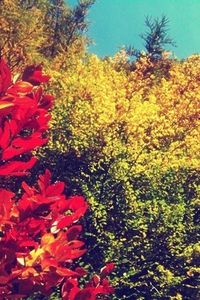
47, 239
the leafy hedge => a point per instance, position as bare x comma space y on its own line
127, 138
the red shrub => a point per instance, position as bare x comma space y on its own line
39, 240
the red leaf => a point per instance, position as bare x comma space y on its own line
80, 212
14, 128
44, 180
5, 76
109, 267
34, 75
25, 101
6, 205
29, 190
60, 205
46, 101
66, 272
49, 262
68, 285
22, 145
20, 87
73, 232
85, 294
95, 281
29, 243
65, 222
4, 279
5, 136
81, 271
76, 244
75, 202
76, 253
5, 107
17, 168
55, 189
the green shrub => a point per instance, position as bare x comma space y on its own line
128, 142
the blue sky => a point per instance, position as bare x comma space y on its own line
115, 23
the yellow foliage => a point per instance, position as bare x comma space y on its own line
141, 120
21, 32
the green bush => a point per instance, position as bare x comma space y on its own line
128, 142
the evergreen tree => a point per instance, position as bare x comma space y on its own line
155, 38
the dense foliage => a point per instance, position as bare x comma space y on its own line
124, 133
32, 31
39, 239
128, 140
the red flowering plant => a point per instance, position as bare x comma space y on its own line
39, 237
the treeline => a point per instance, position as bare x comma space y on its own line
33, 31
124, 133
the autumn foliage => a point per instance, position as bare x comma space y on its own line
124, 132
132, 130
39, 237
